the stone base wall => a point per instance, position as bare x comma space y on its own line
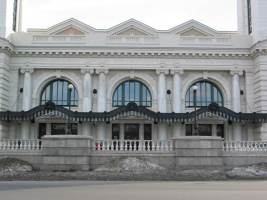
166, 160
35, 159
76, 153
66, 152
198, 152
237, 159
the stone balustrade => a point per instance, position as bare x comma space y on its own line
20, 145
134, 145
245, 146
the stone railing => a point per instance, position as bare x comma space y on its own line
245, 146
134, 145
20, 145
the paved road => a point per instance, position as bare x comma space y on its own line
76, 190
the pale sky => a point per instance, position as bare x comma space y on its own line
160, 14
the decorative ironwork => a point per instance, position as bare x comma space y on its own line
133, 110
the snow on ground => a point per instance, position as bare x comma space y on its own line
11, 166
252, 171
131, 165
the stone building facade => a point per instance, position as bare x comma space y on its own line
94, 71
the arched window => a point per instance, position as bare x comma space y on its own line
206, 94
60, 92
132, 91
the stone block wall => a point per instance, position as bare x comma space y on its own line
4, 91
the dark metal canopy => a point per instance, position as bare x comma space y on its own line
212, 111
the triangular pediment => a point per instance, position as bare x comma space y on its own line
194, 28
132, 31
132, 27
52, 116
67, 27
70, 27
70, 31
194, 32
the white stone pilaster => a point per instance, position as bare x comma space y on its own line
236, 105
162, 132
121, 131
177, 90
177, 99
26, 130
48, 128
87, 89
141, 131
27, 88
236, 102
162, 101
101, 101
237, 132
101, 94
101, 131
86, 129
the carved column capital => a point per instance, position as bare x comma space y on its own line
26, 70
101, 71
162, 71
236, 72
87, 70
177, 71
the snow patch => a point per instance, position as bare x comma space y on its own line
252, 171
134, 165
11, 166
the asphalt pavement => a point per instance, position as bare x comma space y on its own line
98, 190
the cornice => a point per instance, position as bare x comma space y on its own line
144, 53
6, 46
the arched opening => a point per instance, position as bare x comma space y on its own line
62, 93
132, 91
206, 93
59, 92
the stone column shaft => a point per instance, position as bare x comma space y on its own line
48, 129
101, 95
121, 131
177, 99
87, 90
101, 101
236, 93
236, 104
27, 89
162, 102
177, 90
141, 131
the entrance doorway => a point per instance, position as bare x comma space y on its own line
131, 131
